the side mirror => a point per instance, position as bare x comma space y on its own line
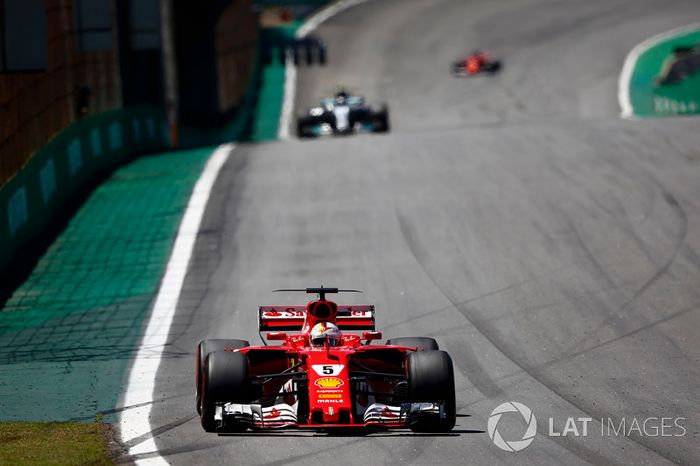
276, 336
371, 335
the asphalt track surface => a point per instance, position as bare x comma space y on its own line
552, 248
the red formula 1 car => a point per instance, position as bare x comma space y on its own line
477, 63
323, 377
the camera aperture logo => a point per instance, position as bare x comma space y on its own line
528, 416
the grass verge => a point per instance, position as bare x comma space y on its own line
57, 443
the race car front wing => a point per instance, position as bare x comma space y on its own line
282, 415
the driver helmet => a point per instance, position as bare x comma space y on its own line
341, 97
324, 332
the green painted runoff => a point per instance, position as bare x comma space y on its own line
67, 333
650, 98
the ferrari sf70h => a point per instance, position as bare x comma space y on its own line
325, 374
477, 63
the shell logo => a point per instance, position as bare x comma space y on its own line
328, 382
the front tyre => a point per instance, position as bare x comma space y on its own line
304, 127
225, 379
493, 67
431, 380
203, 349
380, 120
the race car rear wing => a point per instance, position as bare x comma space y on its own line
291, 318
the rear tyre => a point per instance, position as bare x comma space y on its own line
431, 379
380, 120
493, 67
422, 343
303, 127
225, 379
457, 69
203, 349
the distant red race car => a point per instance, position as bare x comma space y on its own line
477, 63
321, 377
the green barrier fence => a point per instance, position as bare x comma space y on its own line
95, 145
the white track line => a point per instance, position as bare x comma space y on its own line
290, 70
134, 424
623, 83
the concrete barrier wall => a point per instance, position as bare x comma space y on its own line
30, 200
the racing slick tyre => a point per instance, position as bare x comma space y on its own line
380, 119
203, 349
457, 69
492, 67
303, 128
422, 343
431, 379
225, 378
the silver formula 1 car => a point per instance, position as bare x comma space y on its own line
342, 114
